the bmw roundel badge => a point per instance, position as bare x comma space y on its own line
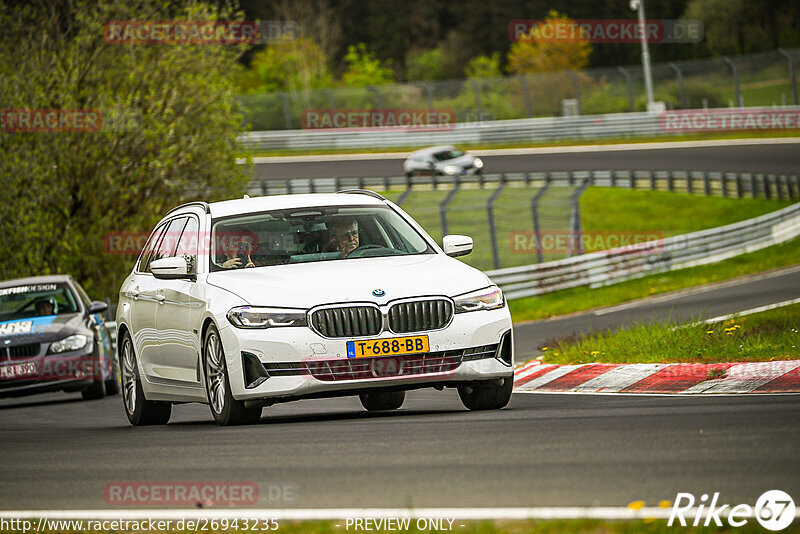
378, 292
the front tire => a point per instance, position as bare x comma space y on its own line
488, 396
225, 409
382, 400
139, 410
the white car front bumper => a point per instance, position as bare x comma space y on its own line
318, 365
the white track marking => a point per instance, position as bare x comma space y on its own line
696, 290
744, 377
753, 310
620, 377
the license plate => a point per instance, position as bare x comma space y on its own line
18, 370
392, 346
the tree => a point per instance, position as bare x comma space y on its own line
538, 53
484, 66
286, 65
65, 192
364, 69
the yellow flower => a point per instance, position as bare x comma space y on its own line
544, 348
595, 352
710, 332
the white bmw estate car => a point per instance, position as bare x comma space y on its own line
245, 303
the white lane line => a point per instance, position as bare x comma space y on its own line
559, 371
620, 377
695, 291
754, 310
744, 377
287, 514
569, 149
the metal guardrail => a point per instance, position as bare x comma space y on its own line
640, 124
611, 266
709, 183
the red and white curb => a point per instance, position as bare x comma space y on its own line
684, 378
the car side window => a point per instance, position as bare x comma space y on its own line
187, 244
144, 261
169, 239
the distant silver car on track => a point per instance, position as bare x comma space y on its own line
442, 161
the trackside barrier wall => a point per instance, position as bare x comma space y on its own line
611, 266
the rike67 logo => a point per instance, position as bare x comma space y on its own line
774, 510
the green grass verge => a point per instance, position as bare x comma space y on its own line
582, 298
769, 335
527, 144
507, 527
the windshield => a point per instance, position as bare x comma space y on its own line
448, 154
36, 300
305, 235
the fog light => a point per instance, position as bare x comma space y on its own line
254, 372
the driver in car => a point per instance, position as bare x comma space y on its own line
45, 306
343, 236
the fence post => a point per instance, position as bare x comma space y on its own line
331, 101
779, 179
768, 186
790, 60
443, 206
723, 177
490, 214
287, 114
796, 188
670, 183
477, 90
681, 90
739, 193
525, 95
652, 180
629, 85
405, 193
575, 221
754, 185
537, 230
706, 185
577, 84
735, 74
378, 97
689, 182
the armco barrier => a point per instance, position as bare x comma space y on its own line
612, 266
641, 124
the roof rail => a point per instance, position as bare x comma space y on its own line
204, 205
367, 192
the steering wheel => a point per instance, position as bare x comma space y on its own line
362, 248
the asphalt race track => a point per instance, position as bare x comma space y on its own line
775, 158
543, 450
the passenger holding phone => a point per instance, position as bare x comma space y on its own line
243, 250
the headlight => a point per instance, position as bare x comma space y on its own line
76, 342
259, 317
451, 169
478, 163
488, 298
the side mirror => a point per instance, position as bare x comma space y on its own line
97, 306
173, 268
457, 245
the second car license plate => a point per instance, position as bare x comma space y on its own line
392, 346
18, 370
